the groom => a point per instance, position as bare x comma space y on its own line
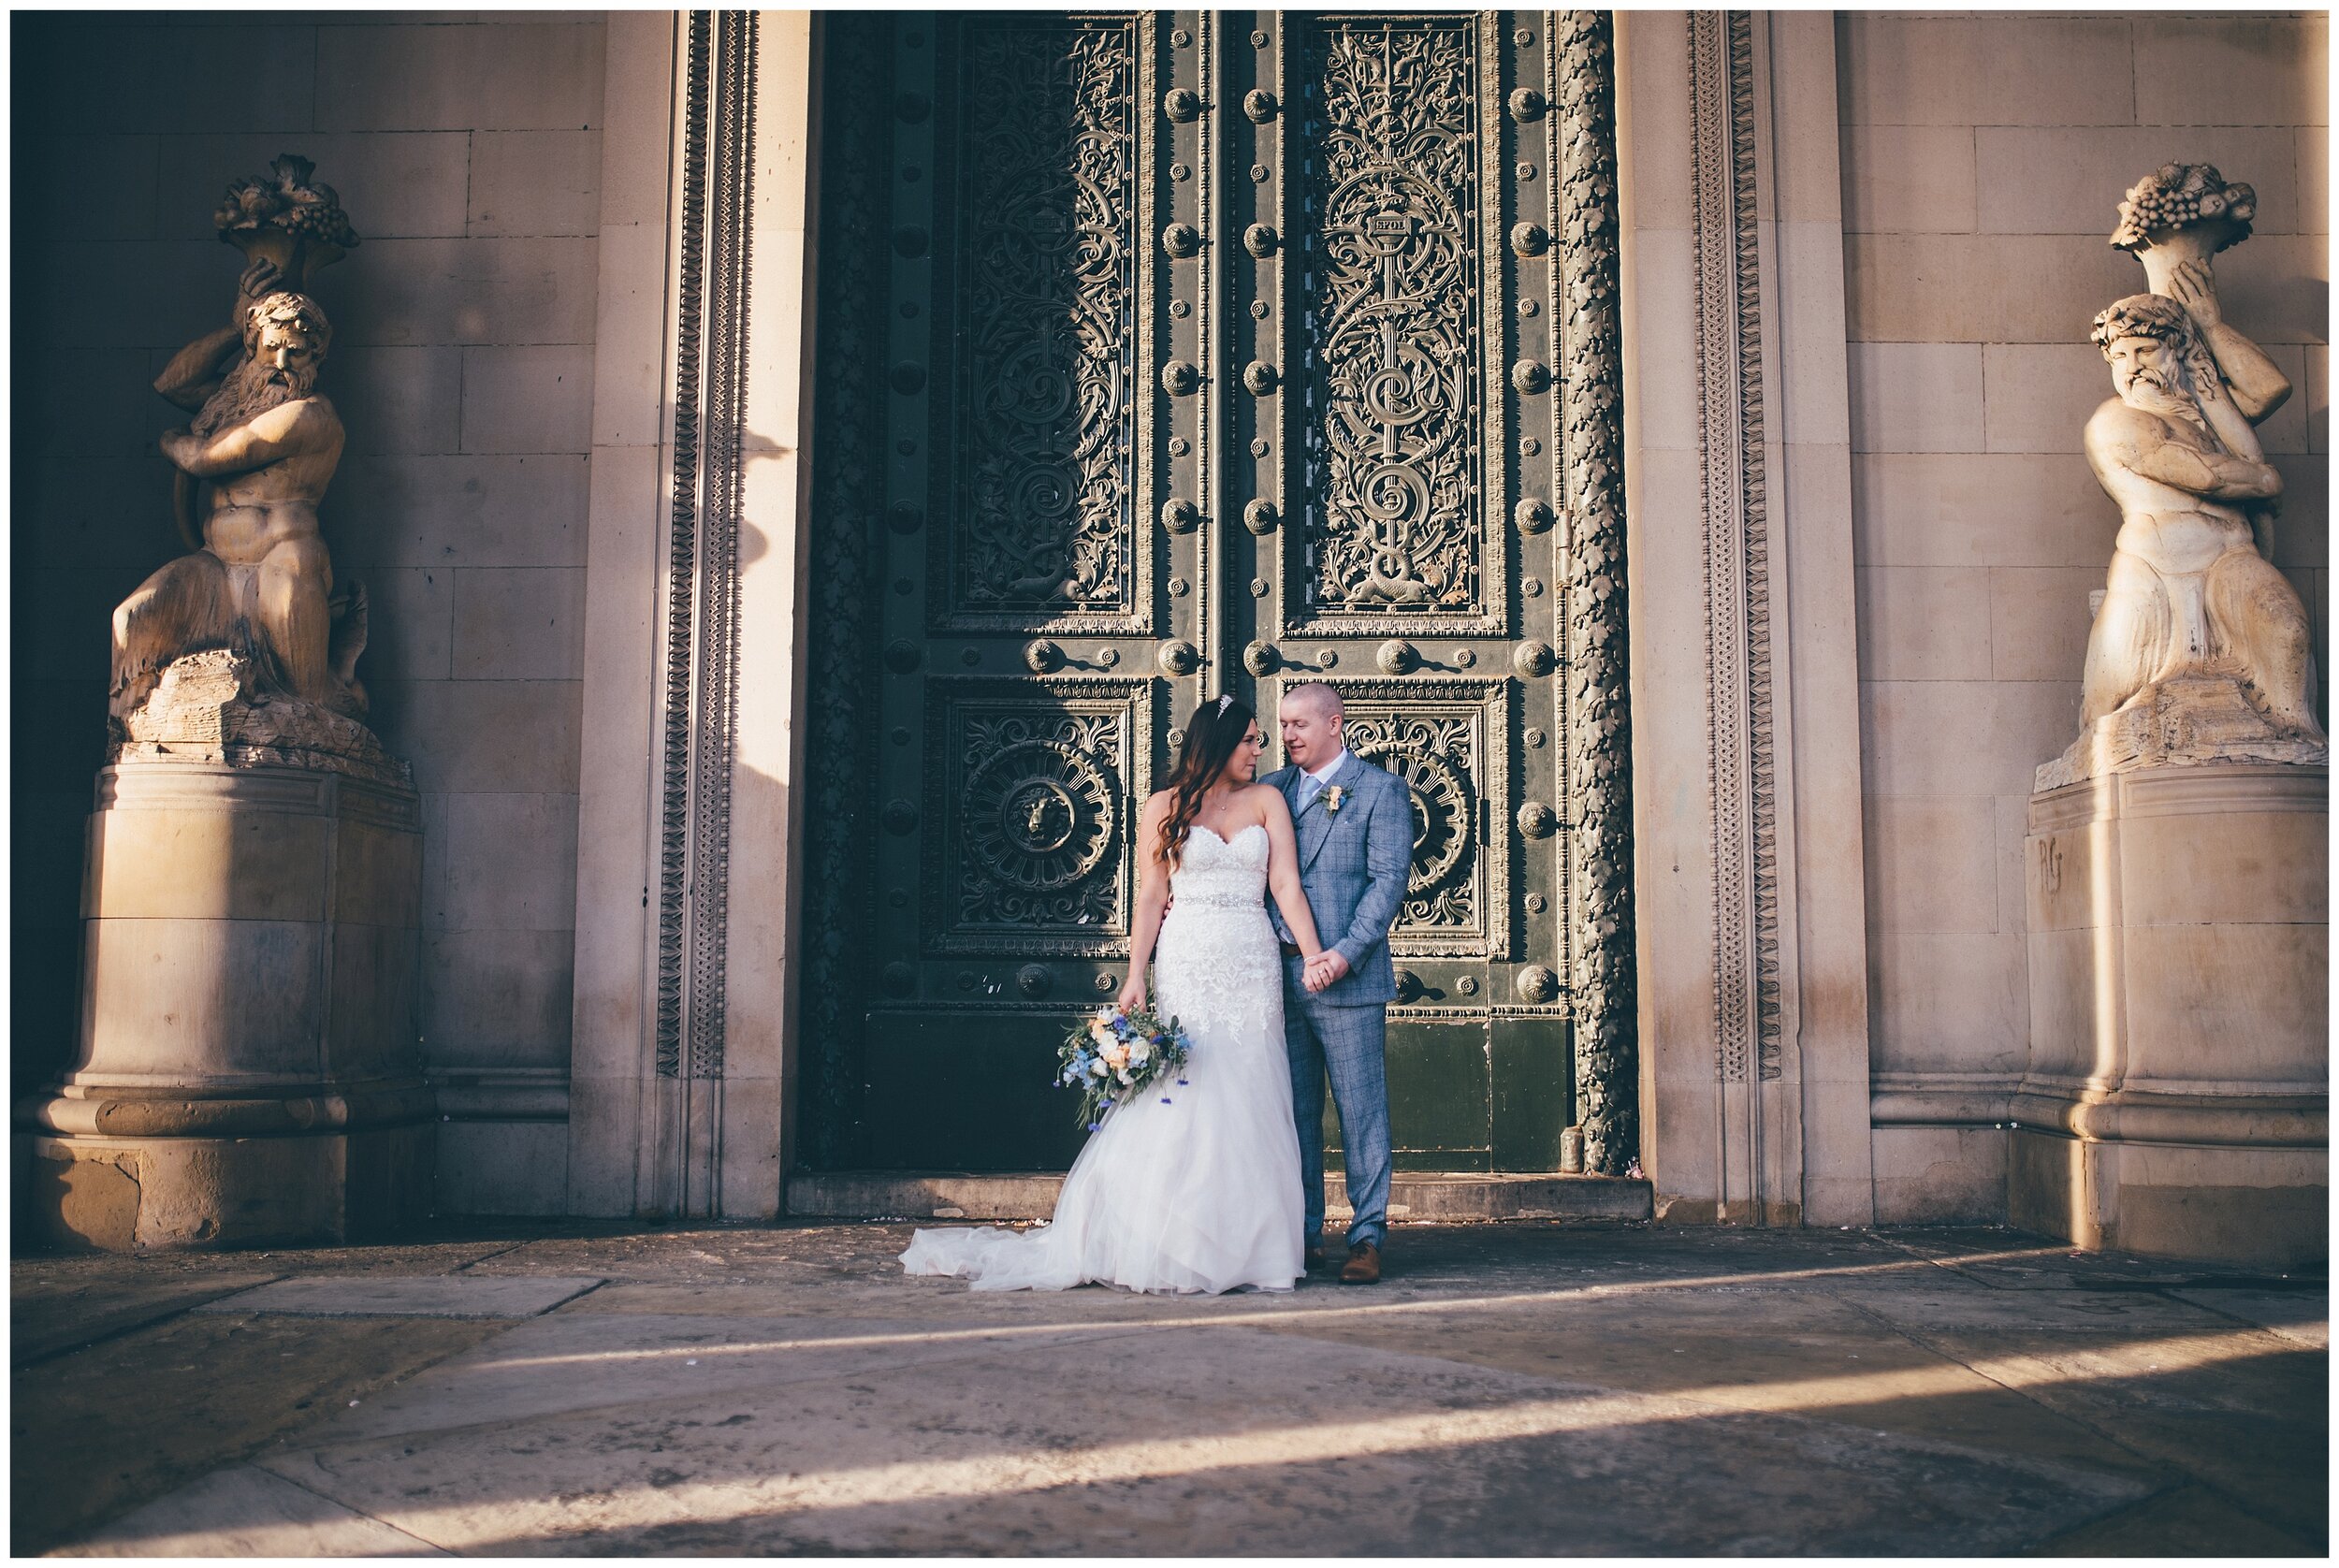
1354, 827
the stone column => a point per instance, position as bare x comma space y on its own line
2177, 1101
248, 1066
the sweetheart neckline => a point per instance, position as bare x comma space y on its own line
1238, 833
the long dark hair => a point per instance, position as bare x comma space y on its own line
1211, 735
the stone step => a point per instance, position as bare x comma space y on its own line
1458, 1198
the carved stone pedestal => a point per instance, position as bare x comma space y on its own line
249, 1068
2178, 1099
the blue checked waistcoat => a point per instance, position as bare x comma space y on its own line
1353, 865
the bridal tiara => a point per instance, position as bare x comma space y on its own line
1225, 699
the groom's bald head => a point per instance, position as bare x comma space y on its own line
1309, 719
1316, 698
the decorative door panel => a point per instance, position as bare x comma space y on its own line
1163, 355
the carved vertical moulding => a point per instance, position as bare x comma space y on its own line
1736, 547
1052, 393
1032, 782
701, 673
1400, 246
1603, 984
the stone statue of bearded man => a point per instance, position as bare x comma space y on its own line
265, 443
2189, 592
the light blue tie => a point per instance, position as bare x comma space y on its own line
1310, 786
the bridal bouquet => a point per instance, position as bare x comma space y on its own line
1114, 1056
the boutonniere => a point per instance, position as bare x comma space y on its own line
1333, 795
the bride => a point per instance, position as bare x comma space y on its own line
1200, 1191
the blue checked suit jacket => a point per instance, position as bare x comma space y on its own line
1353, 865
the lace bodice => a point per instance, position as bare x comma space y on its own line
1217, 955
1220, 872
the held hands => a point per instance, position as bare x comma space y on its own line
1323, 969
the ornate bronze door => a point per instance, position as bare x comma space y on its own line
1161, 355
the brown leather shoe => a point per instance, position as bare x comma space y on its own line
1363, 1266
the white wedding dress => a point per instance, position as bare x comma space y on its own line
1202, 1193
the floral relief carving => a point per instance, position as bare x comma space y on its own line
1050, 255
1031, 798
1395, 257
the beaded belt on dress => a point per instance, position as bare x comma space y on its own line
1199, 899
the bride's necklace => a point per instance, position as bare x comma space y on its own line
1217, 809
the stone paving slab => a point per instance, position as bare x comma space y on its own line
50, 1317
243, 1511
465, 1296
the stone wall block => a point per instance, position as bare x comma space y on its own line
2069, 179
396, 400
465, 291
394, 185
2001, 70
499, 997
1948, 1000
374, 992
166, 80
504, 1167
2273, 68
56, 173
1930, 863
2274, 286
1916, 396
444, 512
112, 516
2039, 620
1921, 510
158, 294
1986, 288
206, 865
1924, 623
1940, 1176
2039, 396
510, 864
411, 636
1910, 180
527, 400
94, 402
1961, 738
71, 617
519, 623
535, 182
535, 76
484, 735
165, 996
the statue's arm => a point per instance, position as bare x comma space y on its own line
195, 370
2257, 383
2121, 438
287, 430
